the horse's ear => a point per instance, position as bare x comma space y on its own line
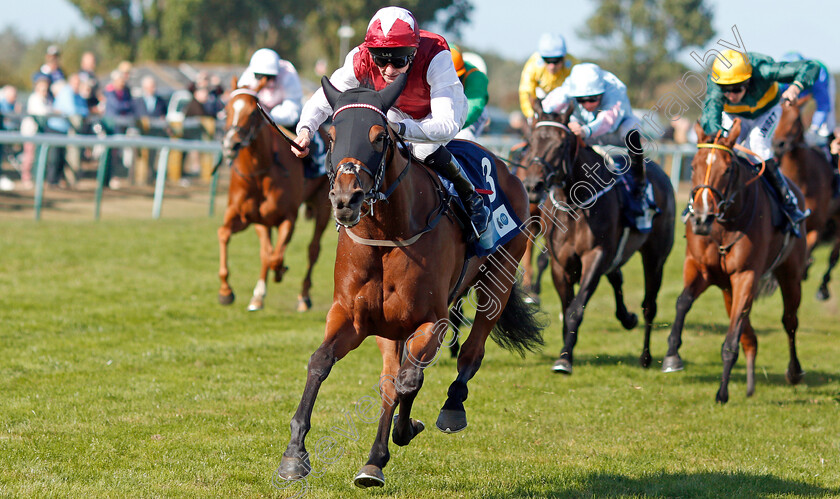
234, 83
702, 138
536, 105
392, 92
330, 91
262, 83
565, 115
734, 132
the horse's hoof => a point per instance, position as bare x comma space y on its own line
645, 360
369, 476
293, 468
226, 299
630, 321
450, 421
304, 304
672, 364
562, 366
415, 427
722, 397
823, 294
278, 273
255, 304
794, 376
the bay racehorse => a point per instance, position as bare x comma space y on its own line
399, 264
267, 188
731, 242
810, 170
531, 278
587, 239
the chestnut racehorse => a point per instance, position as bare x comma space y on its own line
266, 192
811, 171
731, 243
586, 243
399, 264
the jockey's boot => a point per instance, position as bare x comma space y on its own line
633, 142
789, 202
445, 163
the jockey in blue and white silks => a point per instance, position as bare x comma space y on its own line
823, 92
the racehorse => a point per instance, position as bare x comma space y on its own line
731, 243
266, 192
399, 265
587, 240
811, 171
531, 279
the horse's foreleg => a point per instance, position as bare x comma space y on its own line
322, 219
528, 267
371, 474
744, 288
592, 265
627, 319
823, 293
566, 291
230, 225
695, 284
340, 338
284, 235
542, 263
258, 298
653, 262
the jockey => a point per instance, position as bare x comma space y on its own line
822, 122
282, 93
746, 86
602, 114
475, 88
544, 71
429, 112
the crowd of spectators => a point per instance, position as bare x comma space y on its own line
80, 103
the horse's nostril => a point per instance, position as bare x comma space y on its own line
356, 198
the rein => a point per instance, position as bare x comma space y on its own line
725, 200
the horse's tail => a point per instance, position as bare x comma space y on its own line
767, 286
520, 325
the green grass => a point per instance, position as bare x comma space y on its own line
121, 376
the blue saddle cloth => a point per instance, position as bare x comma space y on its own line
636, 214
480, 168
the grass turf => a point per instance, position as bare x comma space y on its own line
121, 376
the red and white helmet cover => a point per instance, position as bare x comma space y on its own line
392, 27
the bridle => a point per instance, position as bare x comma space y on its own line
727, 197
251, 128
568, 154
373, 194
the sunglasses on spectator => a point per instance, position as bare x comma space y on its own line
733, 89
584, 100
398, 61
553, 60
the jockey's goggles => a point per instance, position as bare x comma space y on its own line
260, 76
735, 88
552, 60
588, 98
398, 62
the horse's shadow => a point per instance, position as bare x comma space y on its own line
776, 377
714, 484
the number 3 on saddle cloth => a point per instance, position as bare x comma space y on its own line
480, 168
636, 214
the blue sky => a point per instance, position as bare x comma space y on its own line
511, 28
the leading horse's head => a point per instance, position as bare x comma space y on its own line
242, 120
714, 178
360, 140
551, 151
789, 132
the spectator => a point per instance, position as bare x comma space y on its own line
198, 104
39, 104
51, 68
117, 95
149, 104
90, 84
8, 101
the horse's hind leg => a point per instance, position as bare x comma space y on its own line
628, 320
590, 275
322, 218
542, 263
340, 338
695, 284
823, 293
284, 236
258, 298
653, 262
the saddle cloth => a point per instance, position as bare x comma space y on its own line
636, 214
480, 168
